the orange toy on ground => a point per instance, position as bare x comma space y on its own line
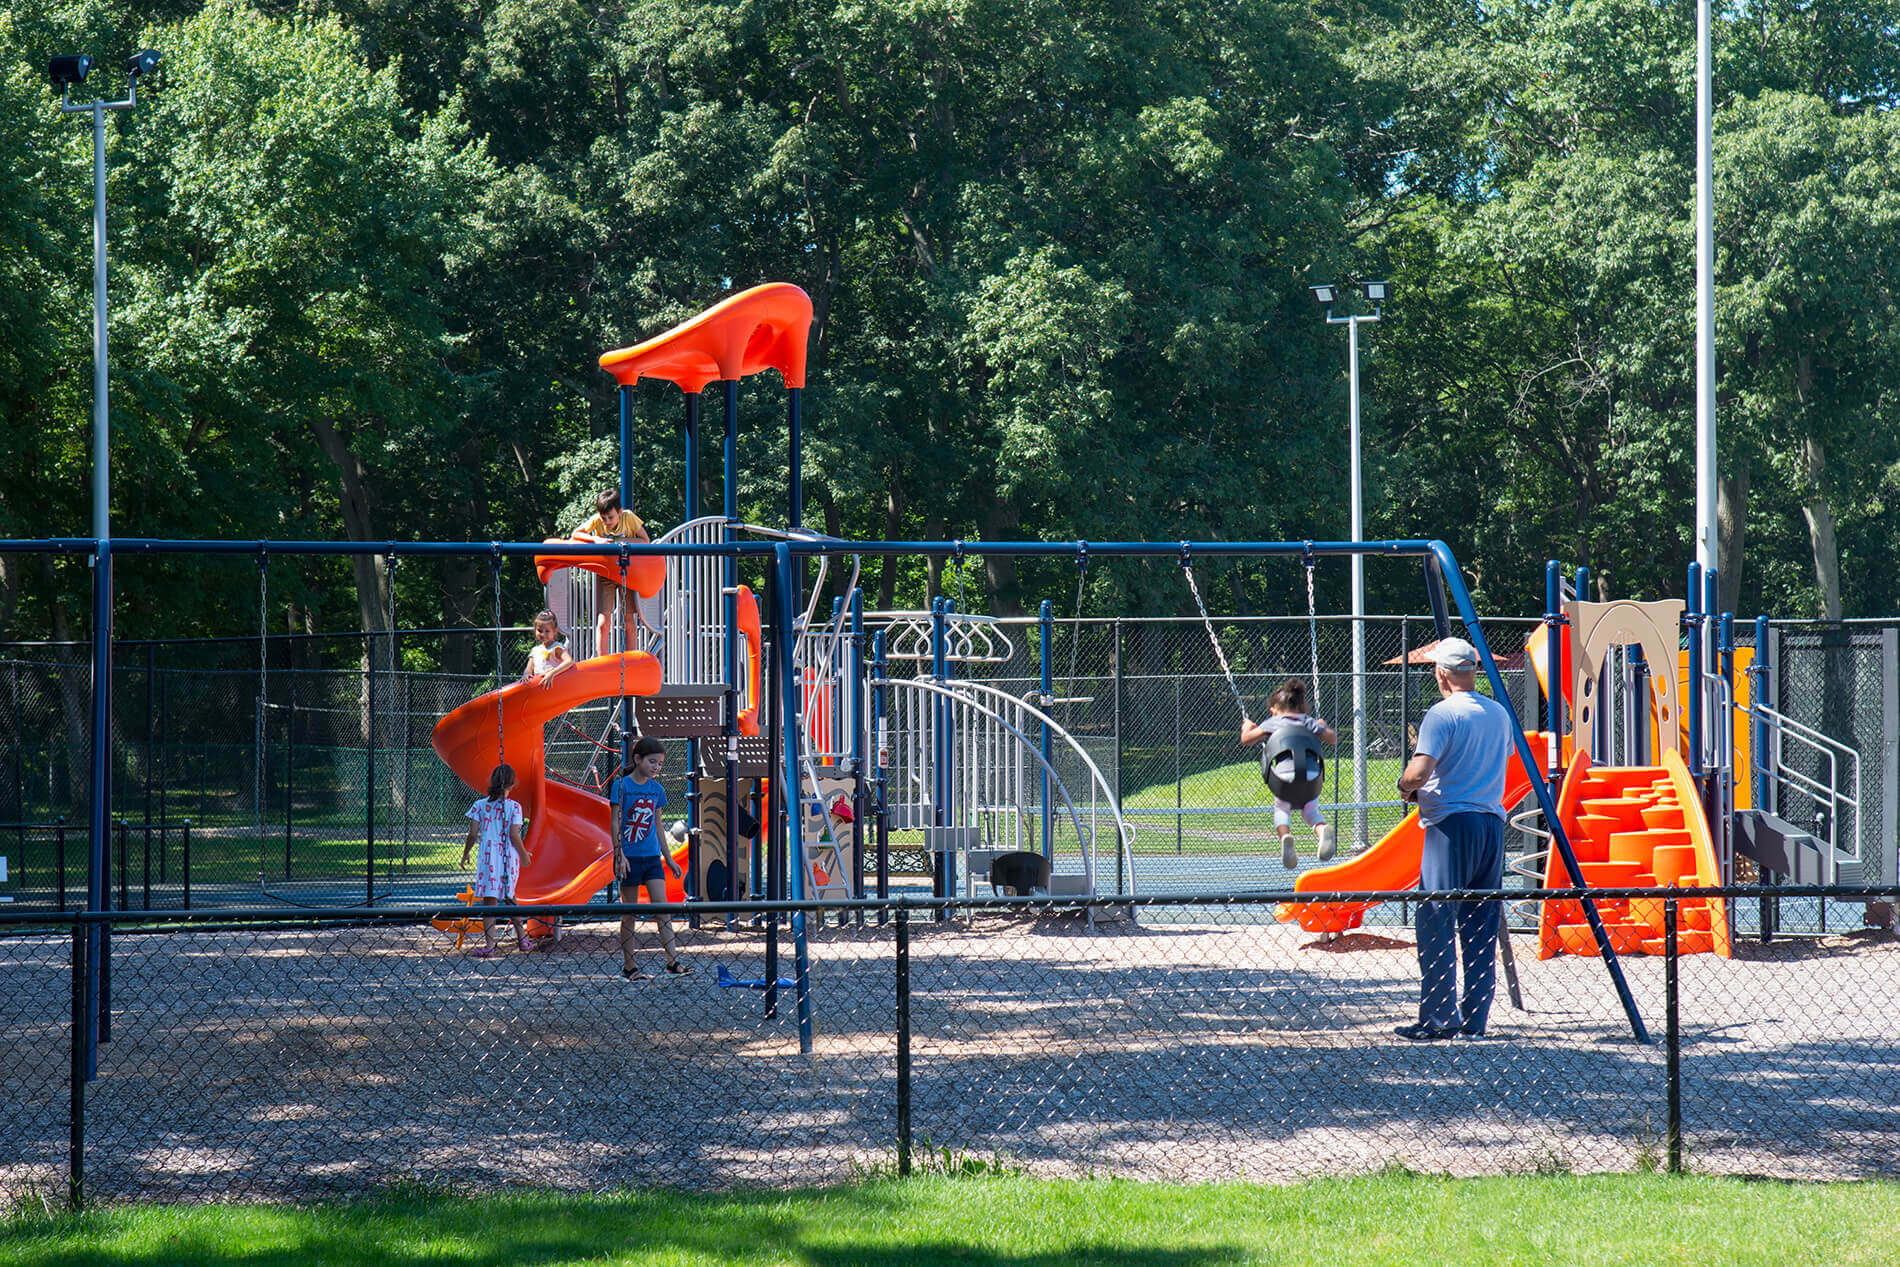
568, 827
1390, 865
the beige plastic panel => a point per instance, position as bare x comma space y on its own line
1596, 627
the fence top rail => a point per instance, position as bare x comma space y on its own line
275, 916
801, 545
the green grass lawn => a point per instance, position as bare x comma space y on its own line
1378, 1219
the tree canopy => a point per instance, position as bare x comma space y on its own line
364, 257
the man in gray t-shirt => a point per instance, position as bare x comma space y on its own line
1457, 773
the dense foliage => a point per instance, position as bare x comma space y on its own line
365, 254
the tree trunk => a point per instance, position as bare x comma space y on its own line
460, 575
1001, 521
9, 590
1816, 509
1731, 522
893, 523
372, 580
933, 584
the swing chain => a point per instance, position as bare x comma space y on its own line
501, 728
1220, 655
959, 566
1312, 628
1075, 633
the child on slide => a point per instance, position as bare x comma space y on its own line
494, 823
610, 523
549, 656
1287, 707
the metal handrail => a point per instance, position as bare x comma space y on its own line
1099, 789
1825, 791
972, 639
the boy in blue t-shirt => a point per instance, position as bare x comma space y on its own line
641, 857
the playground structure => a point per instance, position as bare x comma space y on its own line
832, 728
1706, 764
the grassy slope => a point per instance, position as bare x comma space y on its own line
1006, 1220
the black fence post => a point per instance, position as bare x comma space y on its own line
76, 1076
903, 1040
290, 767
1672, 1035
125, 888
59, 857
184, 860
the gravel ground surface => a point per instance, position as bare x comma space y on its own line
281, 1064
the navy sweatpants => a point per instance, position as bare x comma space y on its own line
1462, 851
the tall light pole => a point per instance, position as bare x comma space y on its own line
1707, 547
66, 73
1326, 296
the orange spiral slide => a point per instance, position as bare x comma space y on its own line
569, 829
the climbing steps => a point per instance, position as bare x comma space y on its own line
1633, 827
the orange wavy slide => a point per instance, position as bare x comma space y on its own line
1389, 865
568, 837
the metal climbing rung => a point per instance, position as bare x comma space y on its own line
681, 712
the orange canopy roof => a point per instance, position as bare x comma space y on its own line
758, 329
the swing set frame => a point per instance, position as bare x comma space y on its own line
1444, 586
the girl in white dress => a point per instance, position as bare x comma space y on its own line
494, 823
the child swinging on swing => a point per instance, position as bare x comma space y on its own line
1287, 707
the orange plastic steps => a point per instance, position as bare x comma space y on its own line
1625, 938
1641, 846
1663, 814
1674, 864
1687, 943
1625, 811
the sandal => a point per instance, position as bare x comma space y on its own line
482, 952
634, 974
525, 942
677, 969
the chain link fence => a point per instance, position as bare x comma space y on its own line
275, 1059
310, 785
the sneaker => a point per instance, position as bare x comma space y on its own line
1289, 856
1421, 1033
1327, 842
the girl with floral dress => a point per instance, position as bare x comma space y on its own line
494, 823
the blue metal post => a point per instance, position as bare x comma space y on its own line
879, 703
945, 864
1554, 657
795, 460
859, 718
692, 455
1048, 624
731, 455
626, 447
1560, 839
1692, 697
785, 603
1757, 696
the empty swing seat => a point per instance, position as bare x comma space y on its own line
1020, 873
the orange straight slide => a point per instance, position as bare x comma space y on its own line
1390, 865
568, 837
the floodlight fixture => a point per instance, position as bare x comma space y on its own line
143, 62
1376, 292
68, 71
1326, 294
